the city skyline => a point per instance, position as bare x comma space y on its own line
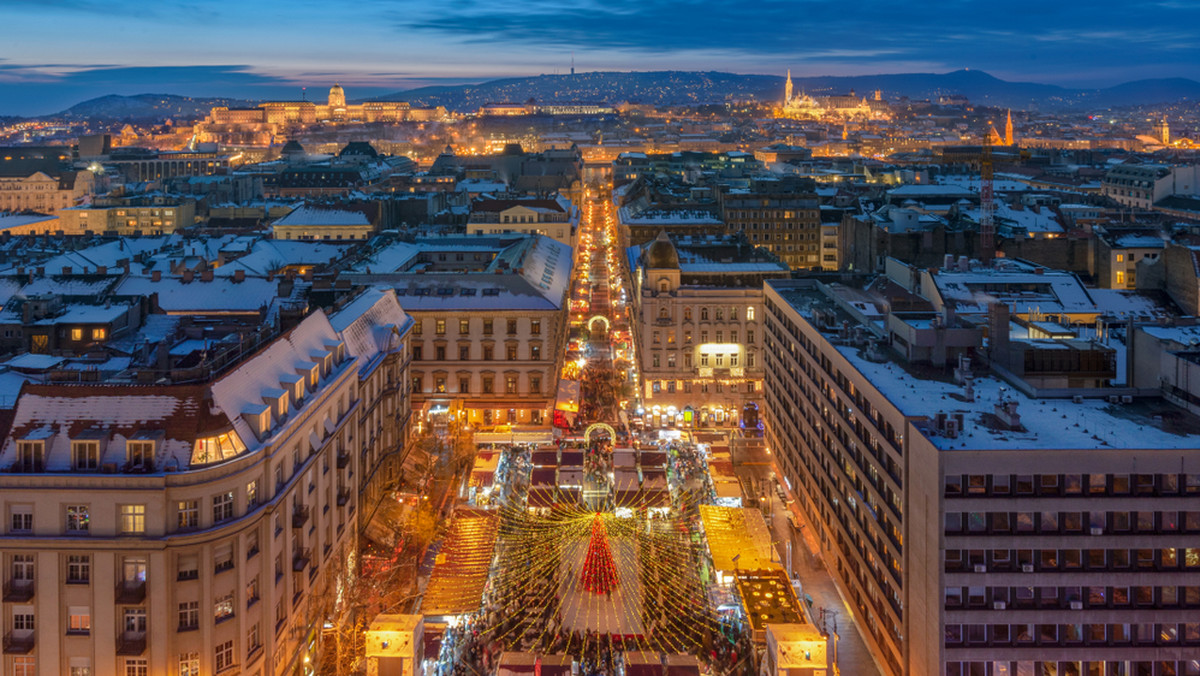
71, 50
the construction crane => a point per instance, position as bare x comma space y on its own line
987, 204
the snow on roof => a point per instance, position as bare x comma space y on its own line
1184, 335
926, 190
107, 254
66, 286
85, 314
1047, 423
8, 288
367, 321
1021, 288
1125, 303
1139, 242
391, 258
320, 216
243, 388
219, 295
33, 361
268, 256
1028, 219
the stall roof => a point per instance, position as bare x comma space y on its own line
460, 573
740, 532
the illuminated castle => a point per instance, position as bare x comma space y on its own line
260, 125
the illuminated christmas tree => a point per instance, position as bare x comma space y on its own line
599, 574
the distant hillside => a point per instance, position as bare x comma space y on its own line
684, 87
147, 107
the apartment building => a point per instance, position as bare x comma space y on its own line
204, 527
556, 218
489, 320
782, 216
699, 318
975, 530
137, 217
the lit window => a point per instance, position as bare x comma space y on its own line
99, 334
133, 519
223, 507
76, 334
77, 519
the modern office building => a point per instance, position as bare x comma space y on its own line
975, 530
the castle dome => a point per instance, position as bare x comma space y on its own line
662, 253
337, 96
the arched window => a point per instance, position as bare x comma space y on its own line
687, 314
662, 313
703, 314
664, 285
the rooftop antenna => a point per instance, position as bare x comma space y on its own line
304, 93
572, 63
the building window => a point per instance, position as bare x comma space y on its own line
78, 522
79, 568
719, 314
687, 314
223, 507
189, 664
24, 666
464, 327
252, 495
535, 384
252, 591
749, 313
440, 353
703, 359
189, 615
487, 327
654, 361
223, 608
512, 327
224, 655
189, 514
253, 640
82, 668
85, 455
535, 352
76, 335
133, 519
418, 352
535, 327
510, 385
464, 352
99, 334
440, 327
487, 384
417, 387
511, 352
464, 385
439, 385
139, 454
703, 314
136, 666
79, 620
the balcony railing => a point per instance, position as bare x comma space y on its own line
300, 559
131, 643
18, 590
131, 592
300, 516
19, 643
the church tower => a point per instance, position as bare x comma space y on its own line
1164, 131
787, 88
1008, 130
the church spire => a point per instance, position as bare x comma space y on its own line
1008, 129
787, 88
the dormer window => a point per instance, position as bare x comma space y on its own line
31, 456
139, 454
85, 455
278, 401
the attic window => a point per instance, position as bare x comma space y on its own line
215, 448
420, 292
491, 292
85, 455
31, 456
445, 291
139, 454
466, 292
401, 292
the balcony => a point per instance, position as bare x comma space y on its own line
19, 642
300, 516
301, 558
343, 496
131, 592
18, 590
343, 458
131, 643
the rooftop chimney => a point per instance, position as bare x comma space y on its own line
156, 276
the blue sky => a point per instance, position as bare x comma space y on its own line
58, 52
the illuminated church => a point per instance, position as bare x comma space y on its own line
852, 107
